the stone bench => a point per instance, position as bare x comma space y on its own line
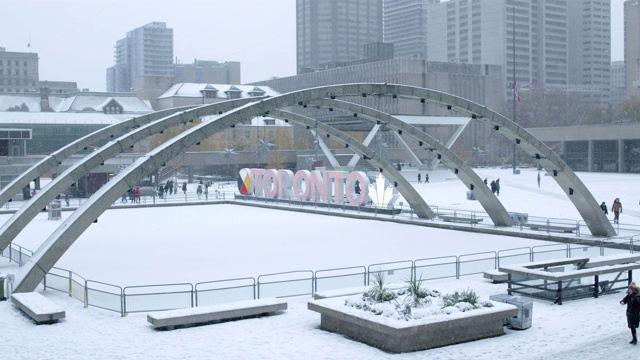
567, 229
460, 219
496, 276
171, 319
38, 307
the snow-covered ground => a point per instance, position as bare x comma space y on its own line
202, 243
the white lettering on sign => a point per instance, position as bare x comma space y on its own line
305, 185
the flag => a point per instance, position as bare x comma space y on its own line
514, 88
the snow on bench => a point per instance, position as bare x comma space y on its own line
171, 319
38, 307
496, 276
460, 219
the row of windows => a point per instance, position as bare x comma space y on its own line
25, 82
16, 90
17, 72
9, 62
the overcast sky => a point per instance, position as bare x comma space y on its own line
74, 39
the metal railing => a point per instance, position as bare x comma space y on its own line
158, 297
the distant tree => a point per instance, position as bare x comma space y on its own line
630, 110
22, 108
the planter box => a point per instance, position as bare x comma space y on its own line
413, 335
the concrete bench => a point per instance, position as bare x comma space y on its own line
171, 319
567, 229
460, 219
496, 276
610, 260
38, 307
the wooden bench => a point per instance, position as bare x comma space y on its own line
38, 307
567, 229
171, 319
496, 276
460, 219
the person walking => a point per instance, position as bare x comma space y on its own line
498, 187
632, 300
616, 208
603, 206
184, 187
199, 191
206, 193
66, 199
419, 178
538, 180
426, 178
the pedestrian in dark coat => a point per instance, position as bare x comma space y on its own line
632, 300
498, 187
493, 186
426, 177
603, 206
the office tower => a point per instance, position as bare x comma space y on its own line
618, 85
335, 31
18, 71
632, 47
145, 51
590, 48
560, 45
405, 26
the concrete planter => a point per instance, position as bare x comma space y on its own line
414, 335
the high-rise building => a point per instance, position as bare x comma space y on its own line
632, 47
405, 26
334, 31
145, 51
618, 85
208, 71
539, 35
590, 58
18, 71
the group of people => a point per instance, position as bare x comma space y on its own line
132, 194
495, 186
616, 209
168, 188
632, 300
426, 178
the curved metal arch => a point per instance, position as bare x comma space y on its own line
571, 184
54, 159
14, 225
573, 187
453, 162
65, 235
53, 248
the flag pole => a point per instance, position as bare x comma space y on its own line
514, 83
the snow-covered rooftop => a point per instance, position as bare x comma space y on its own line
195, 90
42, 118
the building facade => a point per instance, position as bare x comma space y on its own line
590, 58
18, 71
632, 47
335, 31
146, 51
530, 40
405, 26
208, 71
618, 85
